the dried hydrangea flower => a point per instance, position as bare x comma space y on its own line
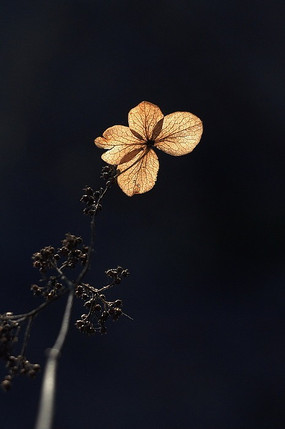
132, 148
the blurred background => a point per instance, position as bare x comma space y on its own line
205, 247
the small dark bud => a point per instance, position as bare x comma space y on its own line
6, 385
36, 289
79, 323
8, 314
51, 294
12, 359
88, 190
79, 290
97, 307
125, 273
116, 313
104, 315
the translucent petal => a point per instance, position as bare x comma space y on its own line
139, 174
121, 154
102, 143
143, 119
116, 135
181, 132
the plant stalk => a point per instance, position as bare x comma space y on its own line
47, 398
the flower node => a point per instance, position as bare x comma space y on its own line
16, 365
19, 366
92, 199
117, 274
52, 289
108, 173
8, 335
73, 251
100, 310
44, 259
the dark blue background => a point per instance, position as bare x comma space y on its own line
205, 247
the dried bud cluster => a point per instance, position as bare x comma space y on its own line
51, 290
92, 200
99, 309
9, 332
117, 274
54, 283
108, 173
19, 366
45, 258
73, 251
8, 335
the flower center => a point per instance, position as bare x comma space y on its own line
150, 143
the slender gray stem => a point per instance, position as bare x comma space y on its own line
47, 399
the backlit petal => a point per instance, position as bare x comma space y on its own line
139, 174
143, 118
181, 132
116, 135
121, 154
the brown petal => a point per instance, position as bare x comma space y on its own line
139, 175
143, 119
181, 132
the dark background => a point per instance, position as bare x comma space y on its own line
205, 247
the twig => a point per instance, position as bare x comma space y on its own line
24, 316
27, 334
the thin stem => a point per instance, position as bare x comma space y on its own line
26, 337
92, 236
24, 316
47, 399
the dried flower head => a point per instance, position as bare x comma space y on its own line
131, 148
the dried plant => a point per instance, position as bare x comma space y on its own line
133, 164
